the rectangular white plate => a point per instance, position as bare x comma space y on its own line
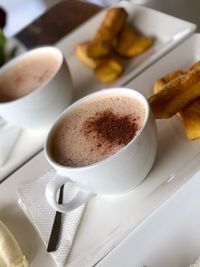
170, 237
168, 31
108, 220
177, 160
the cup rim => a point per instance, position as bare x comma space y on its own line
82, 100
24, 56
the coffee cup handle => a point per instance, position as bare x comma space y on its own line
52, 190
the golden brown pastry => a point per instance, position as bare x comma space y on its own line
130, 43
159, 84
176, 95
191, 119
82, 55
98, 49
112, 24
109, 71
190, 115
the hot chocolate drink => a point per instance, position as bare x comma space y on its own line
97, 129
27, 74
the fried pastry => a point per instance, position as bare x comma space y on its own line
113, 35
109, 71
159, 84
112, 24
191, 119
190, 115
176, 95
82, 55
130, 43
98, 49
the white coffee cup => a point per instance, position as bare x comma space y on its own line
41, 107
117, 174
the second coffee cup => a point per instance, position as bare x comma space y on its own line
35, 88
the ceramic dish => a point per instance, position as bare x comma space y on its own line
111, 219
168, 238
177, 161
168, 31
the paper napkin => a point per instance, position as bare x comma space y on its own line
33, 202
8, 137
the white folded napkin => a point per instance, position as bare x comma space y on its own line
8, 138
33, 202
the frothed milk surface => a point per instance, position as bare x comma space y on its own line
28, 74
97, 129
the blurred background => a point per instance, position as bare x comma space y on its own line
22, 12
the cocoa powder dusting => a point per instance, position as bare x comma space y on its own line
113, 128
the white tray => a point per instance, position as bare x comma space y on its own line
177, 160
170, 237
108, 220
167, 30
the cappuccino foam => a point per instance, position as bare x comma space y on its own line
27, 75
97, 129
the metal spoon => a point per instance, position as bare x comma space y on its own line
55, 231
